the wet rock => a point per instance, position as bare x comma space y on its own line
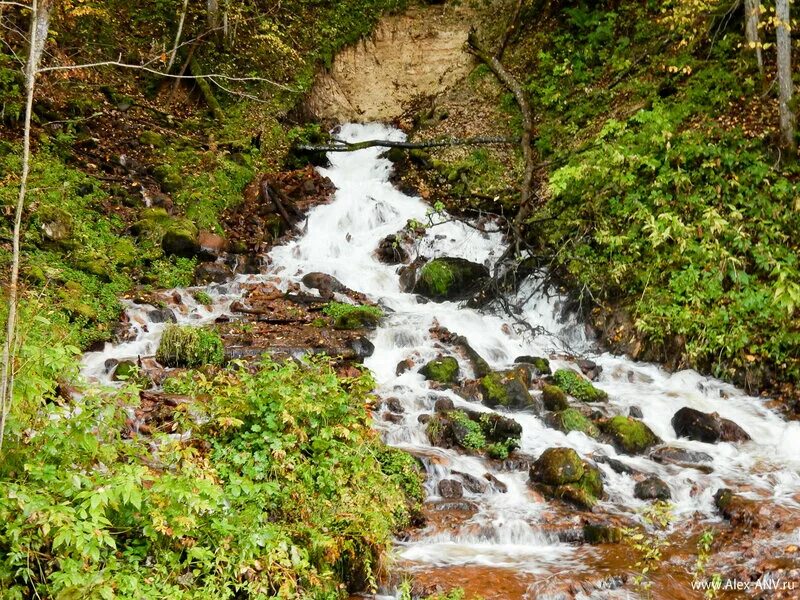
450, 489
681, 457
652, 488
479, 364
496, 484
517, 462
390, 251
473, 431
109, 364
393, 418
635, 412
403, 366
162, 315
600, 533
629, 436
590, 368
571, 419
394, 405
557, 466
441, 370
509, 389
471, 483
554, 398
212, 272
541, 364
450, 278
741, 512
706, 427
424, 418
326, 284
616, 465
443, 405
123, 332
246, 264
362, 347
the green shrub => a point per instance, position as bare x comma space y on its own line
351, 316
187, 346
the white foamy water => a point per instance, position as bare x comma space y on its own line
340, 240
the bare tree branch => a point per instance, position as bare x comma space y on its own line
178, 36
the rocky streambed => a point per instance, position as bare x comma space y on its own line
542, 455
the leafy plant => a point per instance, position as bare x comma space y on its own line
187, 346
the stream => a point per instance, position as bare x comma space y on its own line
501, 533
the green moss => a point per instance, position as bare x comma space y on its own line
506, 388
442, 370
129, 372
350, 316
499, 451
557, 466
572, 419
186, 346
203, 298
554, 398
152, 138
438, 276
578, 387
629, 435
473, 437
602, 534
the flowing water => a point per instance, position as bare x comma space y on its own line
507, 529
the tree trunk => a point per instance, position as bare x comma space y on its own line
178, 36
785, 84
752, 13
40, 23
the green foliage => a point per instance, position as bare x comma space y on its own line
572, 419
662, 199
438, 276
474, 439
500, 450
579, 387
352, 316
203, 298
649, 544
286, 499
704, 547
172, 272
187, 346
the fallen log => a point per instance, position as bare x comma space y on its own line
342, 146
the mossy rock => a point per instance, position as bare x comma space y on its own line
127, 370
508, 389
450, 278
554, 398
592, 480
170, 180
186, 346
557, 466
629, 435
350, 316
94, 264
56, 226
541, 364
594, 533
474, 431
578, 386
442, 370
572, 419
152, 138
154, 222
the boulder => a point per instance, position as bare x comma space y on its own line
635, 412
628, 435
554, 398
473, 431
590, 368
652, 488
450, 489
450, 278
180, 242
212, 272
443, 405
509, 389
681, 457
162, 315
361, 347
706, 427
742, 512
472, 484
572, 419
441, 370
557, 466
212, 246
128, 370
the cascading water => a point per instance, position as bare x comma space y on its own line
505, 531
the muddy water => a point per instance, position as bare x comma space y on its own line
502, 544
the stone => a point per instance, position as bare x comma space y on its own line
590, 368
706, 427
557, 466
681, 457
390, 251
362, 347
441, 370
496, 484
450, 278
212, 272
601, 533
652, 488
471, 483
443, 405
129, 371
394, 405
635, 412
509, 390
56, 224
572, 419
554, 398
742, 512
180, 242
541, 364
629, 436
212, 246
450, 489
403, 366
162, 315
